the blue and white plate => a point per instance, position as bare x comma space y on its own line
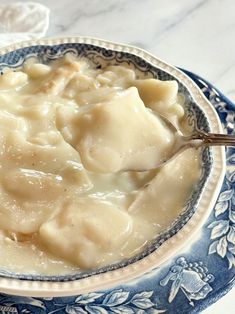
192, 278
186, 227
190, 282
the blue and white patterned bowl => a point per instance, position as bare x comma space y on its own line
200, 114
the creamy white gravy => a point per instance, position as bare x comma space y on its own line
67, 132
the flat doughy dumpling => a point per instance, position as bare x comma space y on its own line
31, 184
38, 178
11, 121
84, 231
162, 98
11, 80
61, 159
25, 215
80, 83
28, 198
120, 76
152, 91
121, 134
102, 94
169, 190
59, 78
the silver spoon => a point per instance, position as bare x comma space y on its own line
197, 139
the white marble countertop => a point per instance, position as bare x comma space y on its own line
194, 34
197, 35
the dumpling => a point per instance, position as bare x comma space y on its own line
120, 134
32, 185
169, 190
13, 80
60, 78
24, 212
60, 159
120, 76
84, 231
152, 91
161, 97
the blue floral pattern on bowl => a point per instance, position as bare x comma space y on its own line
101, 56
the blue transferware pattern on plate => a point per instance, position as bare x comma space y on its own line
195, 118
190, 282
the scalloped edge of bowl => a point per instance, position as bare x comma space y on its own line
191, 230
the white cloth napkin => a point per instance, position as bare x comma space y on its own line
22, 21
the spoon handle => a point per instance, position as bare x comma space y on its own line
212, 139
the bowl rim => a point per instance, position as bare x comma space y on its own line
189, 232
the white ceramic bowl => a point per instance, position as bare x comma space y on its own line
186, 228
